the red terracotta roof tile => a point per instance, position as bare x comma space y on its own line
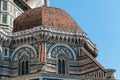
46, 16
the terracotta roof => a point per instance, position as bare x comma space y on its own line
46, 16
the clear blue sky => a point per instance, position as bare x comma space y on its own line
100, 19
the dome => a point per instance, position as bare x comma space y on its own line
45, 16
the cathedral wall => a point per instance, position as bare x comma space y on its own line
78, 62
46, 76
11, 65
61, 53
37, 3
9, 11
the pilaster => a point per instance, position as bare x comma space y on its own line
42, 53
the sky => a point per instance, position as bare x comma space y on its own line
100, 19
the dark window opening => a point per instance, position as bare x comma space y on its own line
20, 4
61, 66
23, 66
26, 67
5, 52
45, 2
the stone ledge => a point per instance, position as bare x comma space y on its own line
46, 75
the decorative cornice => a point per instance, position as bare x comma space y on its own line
44, 33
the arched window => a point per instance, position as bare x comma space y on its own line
23, 66
62, 64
